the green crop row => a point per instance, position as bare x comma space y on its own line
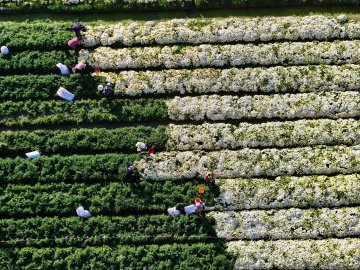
74, 231
101, 199
35, 35
78, 141
92, 5
204, 4
70, 169
209, 256
88, 5
35, 61
21, 87
23, 113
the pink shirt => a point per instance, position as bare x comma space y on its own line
73, 43
80, 66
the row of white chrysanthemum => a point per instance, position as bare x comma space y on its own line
296, 254
263, 80
197, 31
294, 53
217, 136
293, 223
251, 162
284, 106
289, 191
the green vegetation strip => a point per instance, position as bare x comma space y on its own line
35, 36
107, 199
174, 256
96, 5
77, 141
53, 112
71, 231
35, 61
21, 87
71, 169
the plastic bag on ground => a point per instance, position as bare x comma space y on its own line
173, 211
65, 94
33, 154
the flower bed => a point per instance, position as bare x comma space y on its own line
291, 223
71, 169
220, 30
285, 106
78, 141
24, 113
305, 254
287, 53
249, 80
101, 199
94, 5
170, 256
252, 162
272, 134
145, 229
290, 191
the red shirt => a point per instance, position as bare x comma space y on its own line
73, 43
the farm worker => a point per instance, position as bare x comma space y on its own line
131, 173
4, 50
199, 206
77, 27
173, 211
81, 212
140, 146
79, 67
63, 69
107, 90
74, 42
209, 178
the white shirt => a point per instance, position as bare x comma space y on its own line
81, 212
140, 146
63, 69
190, 209
4, 50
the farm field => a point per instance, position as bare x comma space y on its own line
270, 105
